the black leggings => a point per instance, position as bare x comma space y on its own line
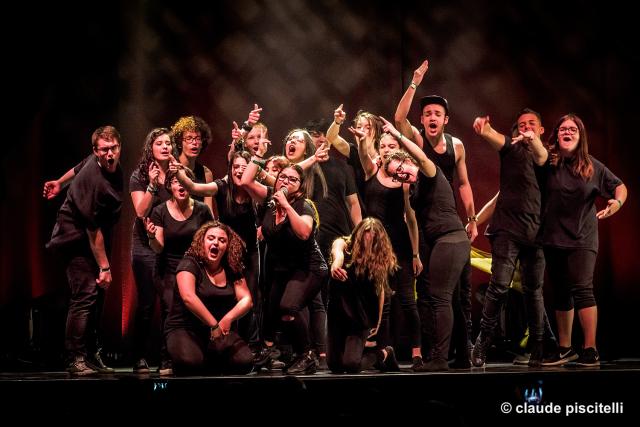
194, 353
571, 276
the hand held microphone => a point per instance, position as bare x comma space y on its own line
272, 203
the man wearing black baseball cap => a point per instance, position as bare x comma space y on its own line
448, 153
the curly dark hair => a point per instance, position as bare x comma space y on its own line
194, 124
146, 157
235, 248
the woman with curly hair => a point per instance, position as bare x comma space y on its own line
192, 136
210, 297
360, 268
147, 190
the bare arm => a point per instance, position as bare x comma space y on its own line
426, 166
368, 165
402, 111
243, 305
482, 126
96, 242
487, 210
334, 139
256, 190
615, 204
354, 209
53, 188
208, 179
156, 236
412, 225
464, 188
187, 288
337, 254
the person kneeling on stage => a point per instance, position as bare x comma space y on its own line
210, 297
360, 269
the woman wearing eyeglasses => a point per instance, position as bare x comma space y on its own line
570, 233
295, 267
434, 203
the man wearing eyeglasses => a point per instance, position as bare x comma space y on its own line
82, 234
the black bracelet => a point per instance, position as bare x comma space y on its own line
247, 126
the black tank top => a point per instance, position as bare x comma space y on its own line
198, 171
446, 161
387, 205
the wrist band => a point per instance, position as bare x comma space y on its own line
247, 126
619, 203
260, 163
104, 270
472, 218
151, 189
416, 255
151, 237
413, 86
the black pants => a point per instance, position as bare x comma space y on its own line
143, 261
83, 332
505, 251
445, 264
571, 275
193, 353
250, 325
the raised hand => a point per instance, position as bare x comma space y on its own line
524, 137
481, 125
339, 116
263, 143
154, 172
236, 133
389, 128
254, 115
322, 153
420, 72
150, 227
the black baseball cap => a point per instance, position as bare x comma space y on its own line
434, 99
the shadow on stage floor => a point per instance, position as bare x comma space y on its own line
458, 397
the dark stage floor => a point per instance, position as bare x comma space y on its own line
457, 397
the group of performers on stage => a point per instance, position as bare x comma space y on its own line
330, 245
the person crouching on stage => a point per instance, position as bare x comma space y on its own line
360, 269
210, 297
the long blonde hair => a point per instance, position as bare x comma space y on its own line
375, 261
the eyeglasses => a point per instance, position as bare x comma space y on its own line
105, 150
570, 130
191, 139
289, 179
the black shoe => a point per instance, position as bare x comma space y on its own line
479, 353
416, 363
79, 367
387, 363
141, 367
589, 357
536, 355
304, 365
564, 355
95, 362
434, 365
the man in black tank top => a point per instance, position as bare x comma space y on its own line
448, 153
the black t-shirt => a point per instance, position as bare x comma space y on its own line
518, 206
334, 213
93, 201
177, 234
387, 205
432, 200
569, 219
240, 217
286, 252
354, 300
219, 300
137, 183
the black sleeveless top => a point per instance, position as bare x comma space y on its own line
387, 205
446, 161
198, 171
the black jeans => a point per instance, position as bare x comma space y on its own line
143, 261
250, 325
83, 333
505, 251
290, 293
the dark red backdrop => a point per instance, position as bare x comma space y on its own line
143, 64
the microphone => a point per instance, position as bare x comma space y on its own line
272, 203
